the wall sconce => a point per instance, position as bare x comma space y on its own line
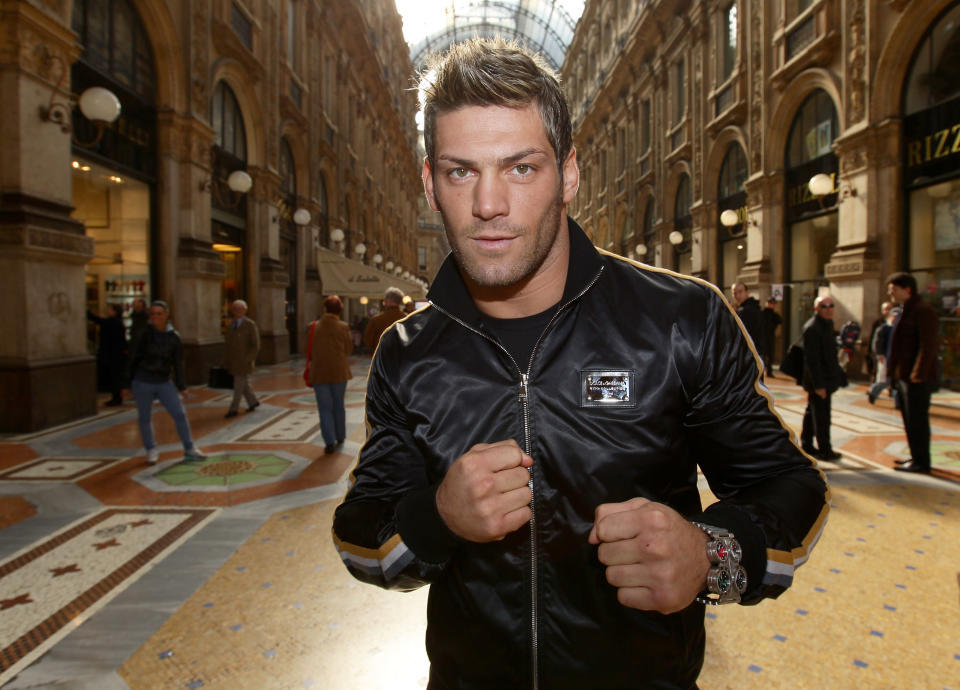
239, 182
641, 250
676, 238
388, 266
301, 216
731, 218
336, 236
97, 104
405, 275
398, 270
364, 301
360, 249
821, 185
377, 259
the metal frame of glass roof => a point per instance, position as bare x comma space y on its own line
545, 26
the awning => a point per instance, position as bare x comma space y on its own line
350, 278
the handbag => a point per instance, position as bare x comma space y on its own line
220, 378
792, 364
306, 369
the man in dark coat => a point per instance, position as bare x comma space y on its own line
111, 352
392, 301
748, 309
771, 322
822, 376
912, 365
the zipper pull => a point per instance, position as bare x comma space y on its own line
523, 388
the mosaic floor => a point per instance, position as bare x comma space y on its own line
221, 573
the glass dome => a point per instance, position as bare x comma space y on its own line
545, 26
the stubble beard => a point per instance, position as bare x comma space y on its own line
500, 274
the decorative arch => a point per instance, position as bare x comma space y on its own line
233, 73
673, 182
170, 71
297, 139
794, 96
718, 152
897, 53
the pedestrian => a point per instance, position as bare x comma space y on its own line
139, 319
534, 431
771, 322
156, 355
329, 371
748, 309
912, 365
111, 352
822, 376
392, 301
879, 345
240, 356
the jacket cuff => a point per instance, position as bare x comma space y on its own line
752, 542
422, 529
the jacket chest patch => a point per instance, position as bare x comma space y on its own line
608, 388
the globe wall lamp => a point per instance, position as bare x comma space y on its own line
97, 104
378, 259
732, 218
640, 250
676, 238
301, 216
821, 185
388, 266
360, 249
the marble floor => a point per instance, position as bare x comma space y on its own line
221, 573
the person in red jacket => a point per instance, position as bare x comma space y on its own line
912, 365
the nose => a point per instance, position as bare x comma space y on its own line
490, 198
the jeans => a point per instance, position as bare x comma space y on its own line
144, 393
333, 414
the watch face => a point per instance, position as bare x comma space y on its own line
723, 581
735, 550
721, 551
741, 580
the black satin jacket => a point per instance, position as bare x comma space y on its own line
641, 376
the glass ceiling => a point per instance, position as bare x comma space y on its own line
543, 25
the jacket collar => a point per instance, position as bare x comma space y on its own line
449, 291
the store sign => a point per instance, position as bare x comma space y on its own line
932, 143
800, 201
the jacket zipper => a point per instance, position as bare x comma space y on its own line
527, 447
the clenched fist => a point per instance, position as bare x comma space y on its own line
655, 558
484, 495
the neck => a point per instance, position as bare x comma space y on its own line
532, 295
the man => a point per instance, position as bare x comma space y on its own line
771, 322
138, 320
879, 346
240, 355
822, 376
532, 447
392, 300
748, 309
912, 365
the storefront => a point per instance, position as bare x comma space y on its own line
114, 169
812, 223
931, 164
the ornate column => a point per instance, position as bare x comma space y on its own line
272, 276
46, 374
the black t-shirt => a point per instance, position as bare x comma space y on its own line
519, 336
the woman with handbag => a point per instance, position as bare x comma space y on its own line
328, 371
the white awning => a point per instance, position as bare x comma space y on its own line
350, 278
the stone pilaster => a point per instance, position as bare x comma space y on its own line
46, 374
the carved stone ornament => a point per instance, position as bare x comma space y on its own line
756, 93
200, 48
857, 57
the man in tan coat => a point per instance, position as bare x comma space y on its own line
392, 299
240, 353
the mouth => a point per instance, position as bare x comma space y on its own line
494, 242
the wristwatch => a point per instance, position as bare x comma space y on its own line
726, 580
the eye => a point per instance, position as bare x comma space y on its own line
523, 169
459, 173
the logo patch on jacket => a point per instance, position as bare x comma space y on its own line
607, 388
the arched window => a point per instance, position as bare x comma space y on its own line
733, 172
683, 200
682, 223
813, 130
731, 245
288, 173
115, 43
934, 77
230, 135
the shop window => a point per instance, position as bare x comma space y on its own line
732, 243
683, 224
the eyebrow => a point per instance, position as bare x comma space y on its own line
513, 158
